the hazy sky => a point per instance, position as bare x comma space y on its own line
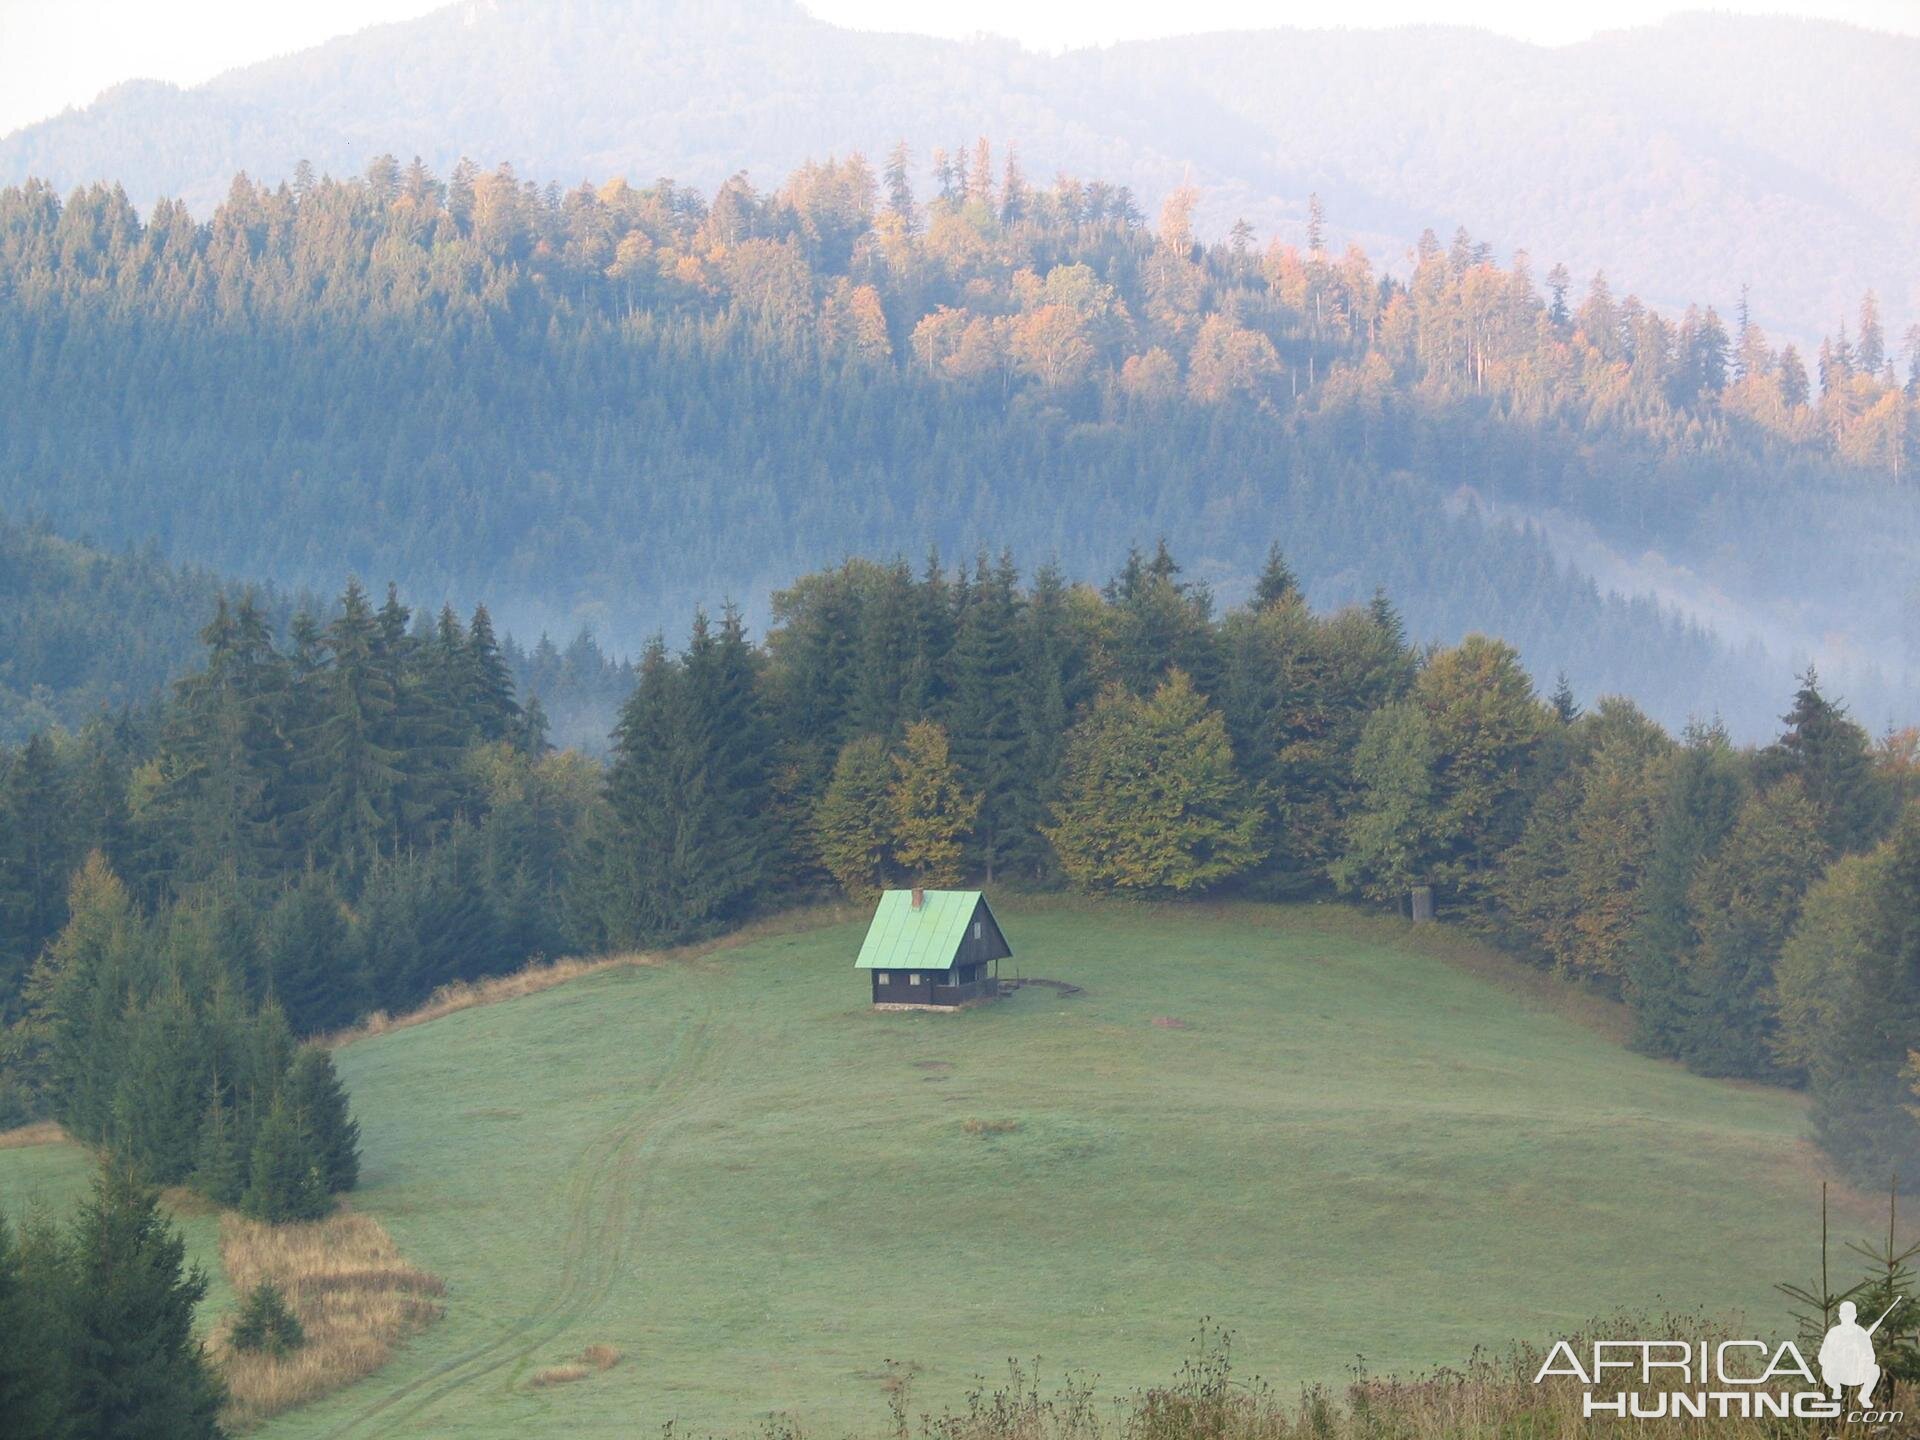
56, 53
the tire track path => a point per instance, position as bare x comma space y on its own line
607, 1190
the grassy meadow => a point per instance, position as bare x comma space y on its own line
1333, 1136
42, 1179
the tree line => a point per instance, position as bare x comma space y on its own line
348, 817
645, 395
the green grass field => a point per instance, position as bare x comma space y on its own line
761, 1191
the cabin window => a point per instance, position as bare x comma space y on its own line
883, 978
913, 979
976, 929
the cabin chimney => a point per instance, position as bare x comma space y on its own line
919, 897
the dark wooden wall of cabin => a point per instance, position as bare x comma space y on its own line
898, 992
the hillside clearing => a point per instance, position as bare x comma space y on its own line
760, 1191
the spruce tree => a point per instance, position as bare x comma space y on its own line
286, 1173
489, 683
386, 939
76, 1001
350, 771
1832, 758
1865, 1111
221, 1163
162, 1079
983, 711
639, 857
319, 1102
35, 1291
1703, 796
308, 959
227, 776
1747, 899
531, 738
892, 684
35, 858
266, 1324
688, 789
426, 730
139, 1373
1277, 583
1050, 678
726, 739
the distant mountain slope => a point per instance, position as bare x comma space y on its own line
85, 632
603, 407
1688, 158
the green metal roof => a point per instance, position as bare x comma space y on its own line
903, 938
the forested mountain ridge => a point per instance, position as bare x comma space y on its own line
603, 405
1687, 158
368, 809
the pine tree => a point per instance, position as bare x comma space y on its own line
319, 1103
139, 1373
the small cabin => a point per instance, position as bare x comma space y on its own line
933, 950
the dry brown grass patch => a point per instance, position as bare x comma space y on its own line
40, 1132
601, 1357
983, 1128
355, 1295
560, 1374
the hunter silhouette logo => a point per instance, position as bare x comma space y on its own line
1847, 1360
